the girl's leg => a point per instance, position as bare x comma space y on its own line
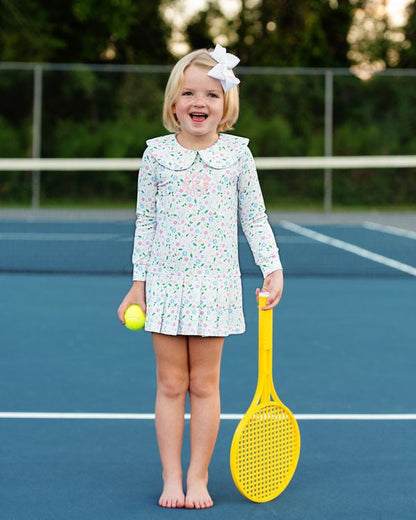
204, 394
172, 387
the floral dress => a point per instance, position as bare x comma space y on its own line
186, 238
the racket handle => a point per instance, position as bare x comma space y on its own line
265, 345
265, 323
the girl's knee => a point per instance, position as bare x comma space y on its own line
203, 386
173, 386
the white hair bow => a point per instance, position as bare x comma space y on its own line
222, 71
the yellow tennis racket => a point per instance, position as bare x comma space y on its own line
266, 444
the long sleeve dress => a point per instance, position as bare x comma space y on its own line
189, 203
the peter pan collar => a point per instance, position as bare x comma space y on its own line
223, 154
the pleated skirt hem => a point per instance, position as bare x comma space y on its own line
194, 306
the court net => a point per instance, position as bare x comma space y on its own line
61, 244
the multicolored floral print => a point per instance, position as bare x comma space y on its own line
186, 239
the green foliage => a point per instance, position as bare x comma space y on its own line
11, 139
87, 31
408, 54
97, 115
13, 185
295, 33
87, 113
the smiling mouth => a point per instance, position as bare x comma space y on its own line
198, 116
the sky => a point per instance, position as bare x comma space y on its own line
396, 8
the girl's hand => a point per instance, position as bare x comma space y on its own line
273, 284
137, 294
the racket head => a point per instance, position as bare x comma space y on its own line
265, 451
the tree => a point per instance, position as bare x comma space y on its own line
279, 32
88, 31
295, 33
207, 25
375, 41
408, 52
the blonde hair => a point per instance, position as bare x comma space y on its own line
203, 59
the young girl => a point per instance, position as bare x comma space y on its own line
193, 186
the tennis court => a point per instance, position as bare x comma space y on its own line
77, 389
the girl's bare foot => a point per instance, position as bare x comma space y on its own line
197, 496
172, 495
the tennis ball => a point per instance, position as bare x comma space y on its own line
134, 317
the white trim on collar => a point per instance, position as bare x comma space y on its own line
222, 154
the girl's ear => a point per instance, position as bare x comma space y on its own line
173, 109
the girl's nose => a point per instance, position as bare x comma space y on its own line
199, 101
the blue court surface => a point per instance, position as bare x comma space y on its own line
77, 389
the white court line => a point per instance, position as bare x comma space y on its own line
351, 248
224, 416
64, 237
282, 240
392, 230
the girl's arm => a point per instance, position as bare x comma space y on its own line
256, 227
143, 236
145, 217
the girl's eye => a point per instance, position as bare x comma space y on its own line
213, 95
186, 93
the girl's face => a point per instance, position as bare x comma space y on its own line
199, 108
